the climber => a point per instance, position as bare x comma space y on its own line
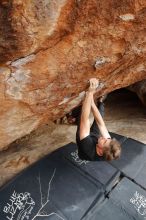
95, 143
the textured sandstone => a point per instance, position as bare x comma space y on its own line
48, 51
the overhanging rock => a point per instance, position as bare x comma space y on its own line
48, 52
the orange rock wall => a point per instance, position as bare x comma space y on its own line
49, 50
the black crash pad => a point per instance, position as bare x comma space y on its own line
141, 176
127, 201
119, 137
107, 210
130, 198
100, 171
61, 186
52, 188
132, 160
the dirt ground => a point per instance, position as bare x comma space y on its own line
124, 114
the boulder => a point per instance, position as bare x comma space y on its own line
49, 50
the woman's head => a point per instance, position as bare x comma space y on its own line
110, 149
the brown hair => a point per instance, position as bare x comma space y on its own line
113, 152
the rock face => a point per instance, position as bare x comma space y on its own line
48, 51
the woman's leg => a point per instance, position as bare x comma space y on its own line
77, 113
94, 128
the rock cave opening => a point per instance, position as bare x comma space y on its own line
121, 100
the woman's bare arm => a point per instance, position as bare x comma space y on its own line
85, 122
86, 109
